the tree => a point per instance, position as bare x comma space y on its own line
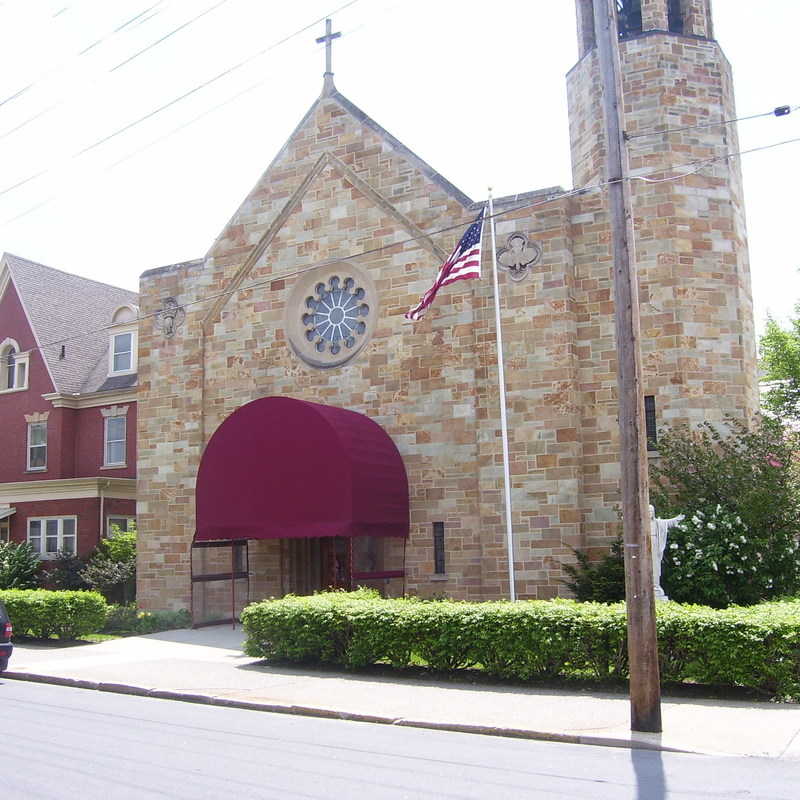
112, 567
739, 491
780, 362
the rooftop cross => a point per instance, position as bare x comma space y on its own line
328, 39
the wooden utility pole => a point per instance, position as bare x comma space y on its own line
645, 688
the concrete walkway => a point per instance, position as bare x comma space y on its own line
207, 666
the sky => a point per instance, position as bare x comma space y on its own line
130, 130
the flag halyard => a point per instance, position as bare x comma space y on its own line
463, 263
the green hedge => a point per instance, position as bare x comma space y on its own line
41, 613
129, 619
757, 647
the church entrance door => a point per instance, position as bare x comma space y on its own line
317, 564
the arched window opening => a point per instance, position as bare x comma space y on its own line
629, 16
675, 16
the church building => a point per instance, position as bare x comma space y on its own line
296, 431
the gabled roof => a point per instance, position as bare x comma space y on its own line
397, 145
68, 309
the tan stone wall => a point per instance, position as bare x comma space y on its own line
433, 385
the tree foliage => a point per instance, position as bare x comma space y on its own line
112, 567
65, 573
19, 566
780, 362
739, 491
600, 581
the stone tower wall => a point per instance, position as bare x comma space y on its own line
698, 340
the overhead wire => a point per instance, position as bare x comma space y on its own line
516, 207
205, 84
168, 35
82, 52
778, 111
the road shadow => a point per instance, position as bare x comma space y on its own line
648, 768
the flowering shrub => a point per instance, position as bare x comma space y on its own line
712, 559
740, 494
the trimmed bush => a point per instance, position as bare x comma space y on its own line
756, 647
41, 613
129, 619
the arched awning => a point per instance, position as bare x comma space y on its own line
286, 468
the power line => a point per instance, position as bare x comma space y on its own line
168, 35
183, 96
779, 111
82, 52
426, 235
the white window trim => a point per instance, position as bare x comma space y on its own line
115, 517
106, 462
21, 362
43, 556
28, 449
121, 331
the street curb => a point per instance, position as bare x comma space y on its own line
327, 713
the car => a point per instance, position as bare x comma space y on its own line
5, 638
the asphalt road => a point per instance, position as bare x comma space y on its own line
60, 742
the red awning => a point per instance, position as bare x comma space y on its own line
286, 468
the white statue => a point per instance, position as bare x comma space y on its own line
659, 530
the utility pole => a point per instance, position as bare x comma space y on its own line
645, 687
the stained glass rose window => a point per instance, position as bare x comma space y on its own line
335, 315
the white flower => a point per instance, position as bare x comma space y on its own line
714, 566
719, 508
674, 546
711, 526
696, 519
742, 540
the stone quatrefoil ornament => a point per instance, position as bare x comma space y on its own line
170, 318
518, 256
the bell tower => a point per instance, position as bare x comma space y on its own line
698, 341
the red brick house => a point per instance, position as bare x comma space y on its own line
68, 358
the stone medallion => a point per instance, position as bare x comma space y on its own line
330, 314
518, 256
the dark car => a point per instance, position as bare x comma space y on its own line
5, 638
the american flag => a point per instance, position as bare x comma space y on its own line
464, 262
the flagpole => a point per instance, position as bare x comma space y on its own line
501, 379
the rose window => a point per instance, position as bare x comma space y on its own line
334, 316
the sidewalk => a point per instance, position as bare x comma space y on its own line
207, 665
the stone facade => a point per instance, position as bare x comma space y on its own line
341, 187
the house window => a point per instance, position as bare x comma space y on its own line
37, 445
13, 366
122, 345
119, 525
438, 548
122, 352
49, 536
650, 422
115, 441
5, 530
